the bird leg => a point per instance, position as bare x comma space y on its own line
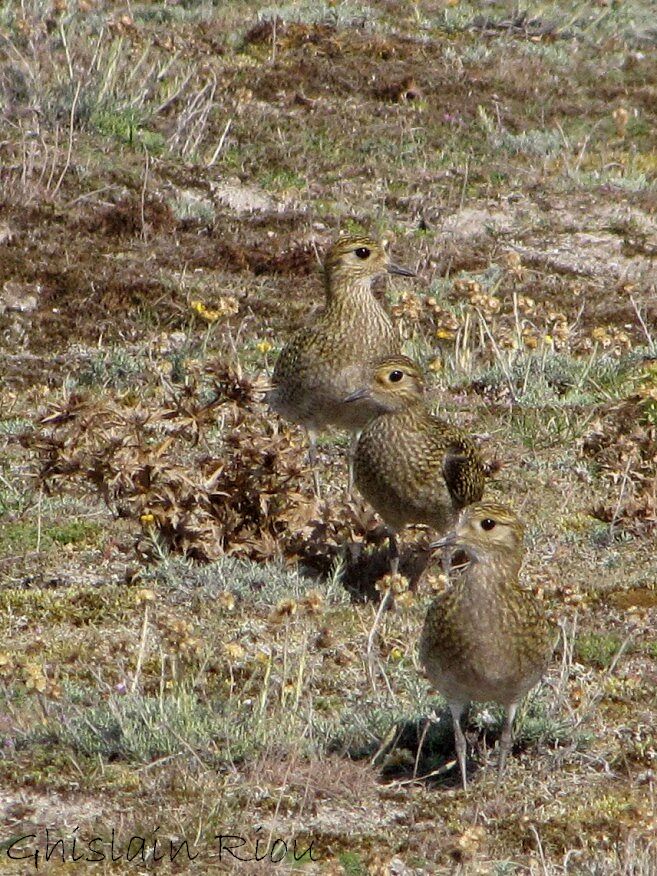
459, 740
312, 459
506, 739
393, 551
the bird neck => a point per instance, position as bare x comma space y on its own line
492, 572
343, 288
409, 408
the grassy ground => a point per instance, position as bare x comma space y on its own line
184, 626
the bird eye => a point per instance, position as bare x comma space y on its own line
395, 376
488, 524
362, 252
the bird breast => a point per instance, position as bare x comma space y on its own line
398, 468
486, 642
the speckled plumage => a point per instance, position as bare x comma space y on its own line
485, 638
411, 466
319, 367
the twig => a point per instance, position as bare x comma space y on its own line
62, 34
498, 354
372, 634
539, 847
646, 331
142, 650
184, 742
595, 698
617, 511
465, 183
69, 152
420, 745
445, 768
38, 541
220, 145
88, 195
53, 164
143, 195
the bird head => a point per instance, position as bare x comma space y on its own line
361, 257
389, 385
486, 530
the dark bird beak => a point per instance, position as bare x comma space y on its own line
450, 540
358, 395
397, 269
446, 545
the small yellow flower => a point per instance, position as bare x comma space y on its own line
435, 365
285, 608
312, 602
201, 310
408, 305
437, 582
234, 651
227, 306
396, 654
600, 334
147, 518
34, 678
264, 347
6, 662
406, 600
621, 117
444, 334
396, 583
526, 304
226, 600
512, 260
53, 690
529, 338
191, 647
